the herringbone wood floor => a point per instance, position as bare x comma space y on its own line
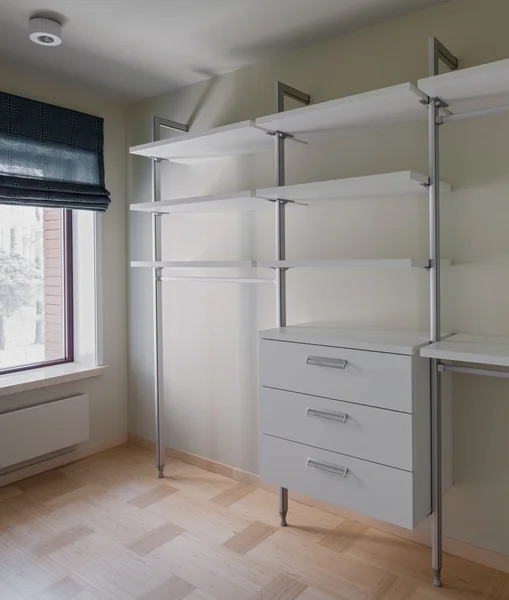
107, 528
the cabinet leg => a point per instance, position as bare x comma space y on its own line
437, 580
283, 505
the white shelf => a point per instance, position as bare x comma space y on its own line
388, 185
396, 104
220, 142
469, 348
206, 204
344, 336
474, 88
356, 262
289, 264
193, 264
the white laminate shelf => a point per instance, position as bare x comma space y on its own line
370, 263
470, 348
288, 264
386, 185
396, 104
231, 140
206, 204
474, 88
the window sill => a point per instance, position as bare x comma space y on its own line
34, 379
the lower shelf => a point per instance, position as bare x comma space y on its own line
401, 263
470, 348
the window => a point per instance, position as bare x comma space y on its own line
51, 163
36, 325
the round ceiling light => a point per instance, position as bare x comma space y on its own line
45, 32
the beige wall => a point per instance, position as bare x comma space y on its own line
210, 331
108, 394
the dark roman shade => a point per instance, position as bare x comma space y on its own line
50, 156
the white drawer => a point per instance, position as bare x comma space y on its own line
375, 434
372, 378
368, 488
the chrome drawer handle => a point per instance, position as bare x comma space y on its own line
325, 414
324, 361
327, 468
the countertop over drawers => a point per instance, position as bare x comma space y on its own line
323, 333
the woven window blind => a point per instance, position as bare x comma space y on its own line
50, 156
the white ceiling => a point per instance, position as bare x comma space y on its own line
134, 49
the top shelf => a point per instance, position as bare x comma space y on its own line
484, 86
396, 104
469, 348
191, 148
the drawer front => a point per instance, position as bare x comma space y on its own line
382, 436
373, 378
365, 487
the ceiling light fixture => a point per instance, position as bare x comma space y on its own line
45, 32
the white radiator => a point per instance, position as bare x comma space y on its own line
31, 432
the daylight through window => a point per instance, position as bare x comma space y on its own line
35, 294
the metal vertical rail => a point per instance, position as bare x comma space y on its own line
435, 334
280, 219
157, 310
157, 298
281, 91
436, 52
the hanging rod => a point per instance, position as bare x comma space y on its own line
474, 113
218, 279
472, 371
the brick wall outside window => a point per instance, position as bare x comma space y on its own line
52, 267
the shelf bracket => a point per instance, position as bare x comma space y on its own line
168, 124
285, 91
437, 53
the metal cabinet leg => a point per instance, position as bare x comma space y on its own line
283, 505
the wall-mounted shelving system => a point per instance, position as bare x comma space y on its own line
464, 94
438, 99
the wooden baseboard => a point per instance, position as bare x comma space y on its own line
59, 461
475, 554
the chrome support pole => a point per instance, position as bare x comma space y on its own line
435, 335
157, 298
157, 317
280, 219
436, 52
282, 90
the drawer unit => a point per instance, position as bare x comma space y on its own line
372, 378
336, 401
374, 434
376, 490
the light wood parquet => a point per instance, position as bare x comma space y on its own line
106, 528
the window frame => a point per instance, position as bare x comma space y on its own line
67, 302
